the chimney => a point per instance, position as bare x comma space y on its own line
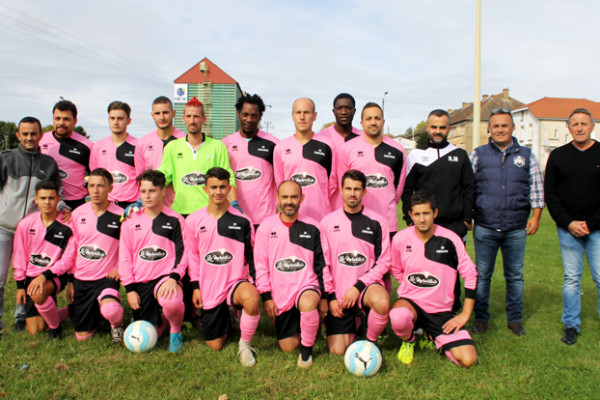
505, 94
484, 97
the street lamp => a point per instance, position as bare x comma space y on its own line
383, 103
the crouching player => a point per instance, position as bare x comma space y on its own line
290, 265
92, 257
219, 244
359, 256
426, 261
152, 259
40, 241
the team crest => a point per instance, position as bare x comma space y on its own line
519, 161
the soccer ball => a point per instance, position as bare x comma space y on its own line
140, 336
363, 358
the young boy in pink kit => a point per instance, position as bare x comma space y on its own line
40, 241
221, 263
152, 259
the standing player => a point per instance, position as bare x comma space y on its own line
149, 148
308, 160
116, 154
219, 242
426, 261
152, 259
251, 157
359, 255
186, 160
92, 257
70, 150
290, 268
39, 242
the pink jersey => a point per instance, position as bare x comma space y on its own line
359, 249
37, 247
311, 165
385, 168
119, 161
252, 163
427, 272
151, 247
289, 259
219, 253
338, 140
93, 250
148, 155
73, 158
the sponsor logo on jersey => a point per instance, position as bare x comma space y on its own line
352, 259
453, 158
31, 231
304, 179
235, 226
40, 260
291, 264
75, 151
376, 181
129, 154
319, 152
193, 179
263, 149
389, 155
119, 177
247, 174
442, 250
59, 235
167, 226
152, 253
519, 161
305, 235
367, 230
93, 253
113, 225
218, 257
63, 174
423, 280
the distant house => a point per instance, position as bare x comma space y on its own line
216, 90
541, 125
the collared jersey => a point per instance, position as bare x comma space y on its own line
37, 247
120, 162
93, 250
73, 158
359, 248
427, 272
148, 155
289, 259
252, 162
185, 168
151, 247
384, 167
312, 165
219, 253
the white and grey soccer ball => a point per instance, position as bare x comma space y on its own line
363, 358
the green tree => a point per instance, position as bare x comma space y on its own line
79, 129
327, 125
8, 139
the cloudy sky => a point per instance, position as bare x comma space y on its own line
420, 52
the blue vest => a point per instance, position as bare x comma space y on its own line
502, 187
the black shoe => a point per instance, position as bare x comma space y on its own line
19, 325
54, 333
570, 336
480, 327
517, 328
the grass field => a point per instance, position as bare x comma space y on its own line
535, 366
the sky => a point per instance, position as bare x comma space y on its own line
421, 53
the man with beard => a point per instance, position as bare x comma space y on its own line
70, 150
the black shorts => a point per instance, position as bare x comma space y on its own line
216, 322
149, 308
30, 308
85, 311
288, 323
344, 325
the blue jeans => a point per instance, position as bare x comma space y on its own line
572, 250
512, 244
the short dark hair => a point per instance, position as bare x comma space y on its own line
580, 110
157, 178
120, 105
355, 175
163, 100
46, 185
251, 99
103, 173
289, 180
370, 105
30, 120
422, 197
217, 172
344, 96
438, 112
65, 105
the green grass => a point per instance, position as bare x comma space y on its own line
534, 366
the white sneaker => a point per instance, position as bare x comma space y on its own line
246, 354
304, 364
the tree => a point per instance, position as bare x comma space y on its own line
79, 129
8, 139
327, 125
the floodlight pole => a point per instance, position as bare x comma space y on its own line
477, 85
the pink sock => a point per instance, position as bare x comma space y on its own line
451, 357
376, 324
402, 322
173, 310
309, 325
63, 313
113, 312
80, 337
248, 325
49, 312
